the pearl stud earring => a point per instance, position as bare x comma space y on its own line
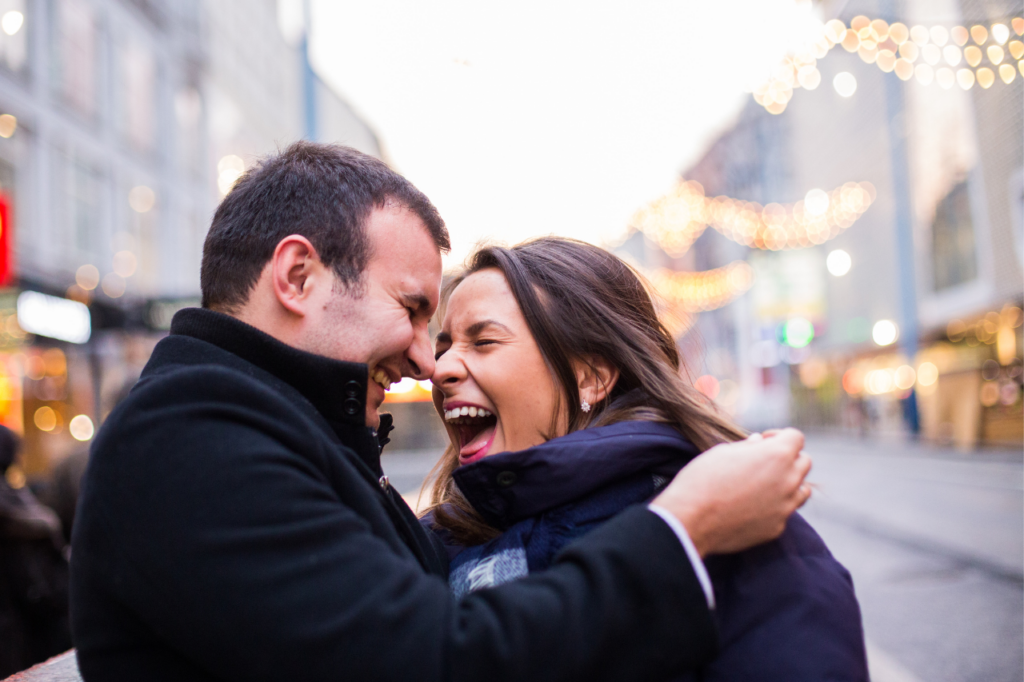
585, 406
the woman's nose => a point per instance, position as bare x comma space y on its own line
448, 370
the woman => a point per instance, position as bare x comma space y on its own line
562, 395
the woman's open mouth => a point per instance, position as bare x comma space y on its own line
475, 427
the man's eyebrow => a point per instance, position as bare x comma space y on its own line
443, 337
478, 327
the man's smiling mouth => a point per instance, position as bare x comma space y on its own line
475, 427
381, 377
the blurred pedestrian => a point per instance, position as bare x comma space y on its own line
65, 485
33, 573
62, 491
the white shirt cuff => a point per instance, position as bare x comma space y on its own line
691, 551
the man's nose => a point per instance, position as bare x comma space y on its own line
420, 357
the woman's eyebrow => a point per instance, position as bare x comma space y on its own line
477, 327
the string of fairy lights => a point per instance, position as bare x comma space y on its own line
675, 220
959, 56
694, 292
946, 56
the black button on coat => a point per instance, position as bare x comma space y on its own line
232, 527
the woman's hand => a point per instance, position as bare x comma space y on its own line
737, 495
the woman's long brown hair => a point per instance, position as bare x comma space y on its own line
580, 302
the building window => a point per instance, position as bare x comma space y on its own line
138, 95
188, 111
81, 184
74, 63
953, 248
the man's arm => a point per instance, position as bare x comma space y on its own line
738, 495
209, 524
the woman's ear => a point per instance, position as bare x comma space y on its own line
595, 377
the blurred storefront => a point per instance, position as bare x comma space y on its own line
122, 124
901, 312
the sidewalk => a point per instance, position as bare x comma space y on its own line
933, 540
966, 505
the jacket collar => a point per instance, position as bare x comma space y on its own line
509, 487
335, 388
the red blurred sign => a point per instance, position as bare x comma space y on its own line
6, 246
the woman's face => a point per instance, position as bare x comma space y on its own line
492, 387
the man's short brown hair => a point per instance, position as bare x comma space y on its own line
322, 192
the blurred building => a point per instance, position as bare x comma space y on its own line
915, 306
122, 124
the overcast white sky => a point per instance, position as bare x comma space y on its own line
527, 118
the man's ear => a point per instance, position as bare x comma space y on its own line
596, 377
295, 271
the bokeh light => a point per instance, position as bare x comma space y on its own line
8, 125
229, 169
965, 77
816, 202
45, 418
884, 332
87, 277
113, 285
797, 332
125, 263
899, 33
838, 262
12, 21
845, 84
80, 427
927, 374
141, 199
904, 377
1000, 33
708, 385
919, 34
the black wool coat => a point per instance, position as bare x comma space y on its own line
232, 526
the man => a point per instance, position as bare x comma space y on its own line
235, 522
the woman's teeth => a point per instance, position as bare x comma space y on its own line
382, 378
456, 413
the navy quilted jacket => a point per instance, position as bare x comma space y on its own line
786, 609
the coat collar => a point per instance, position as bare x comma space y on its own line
335, 388
512, 486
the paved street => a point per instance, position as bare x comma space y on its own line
934, 540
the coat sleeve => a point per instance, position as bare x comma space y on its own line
204, 521
788, 612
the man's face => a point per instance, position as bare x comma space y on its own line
383, 321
